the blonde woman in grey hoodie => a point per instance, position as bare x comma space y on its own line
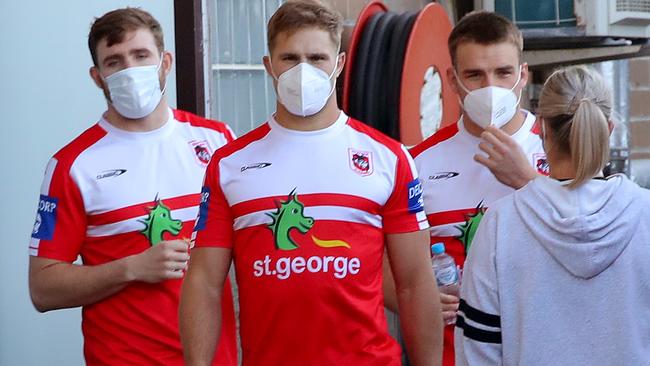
559, 271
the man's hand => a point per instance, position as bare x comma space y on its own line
164, 261
449, 304
505, 158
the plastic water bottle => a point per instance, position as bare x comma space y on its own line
446, 272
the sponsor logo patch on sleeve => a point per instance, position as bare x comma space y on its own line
416, 202
45, 218
203, 209
541, 163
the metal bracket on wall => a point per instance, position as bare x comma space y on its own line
570, 56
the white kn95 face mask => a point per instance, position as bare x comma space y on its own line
305, 89
492, 104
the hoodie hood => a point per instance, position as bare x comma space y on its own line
586, 228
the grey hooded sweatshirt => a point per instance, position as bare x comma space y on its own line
559, 277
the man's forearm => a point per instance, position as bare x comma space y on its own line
59, 285
421, 322
200, 321
388, 287
55, 284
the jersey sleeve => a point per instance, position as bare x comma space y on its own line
60, 226
214, 225
477, 336
404, 210
230, 134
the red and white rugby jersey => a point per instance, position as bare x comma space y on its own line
112, 193
457, 190
305, 214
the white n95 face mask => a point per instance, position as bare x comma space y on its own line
491, 105
135, 92
304, 89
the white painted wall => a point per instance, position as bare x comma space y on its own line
46, 99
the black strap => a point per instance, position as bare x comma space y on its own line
479, 316
479, 335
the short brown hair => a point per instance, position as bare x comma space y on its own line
115, 24
300, 14
484, 28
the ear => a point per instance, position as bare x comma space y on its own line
266, 60
167, 61
342, 57
524, 75
610, 126
451, 76
95, 75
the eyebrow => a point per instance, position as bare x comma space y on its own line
286, 54
118, 56
481, 71
139, 50
320, 54
473, 71
308, 55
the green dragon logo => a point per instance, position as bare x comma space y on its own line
468, 229
158, 222
289, 215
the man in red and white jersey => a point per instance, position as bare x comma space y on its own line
123, 196
488, 75
305, 206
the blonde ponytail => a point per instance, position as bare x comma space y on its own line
576, 106
588, 141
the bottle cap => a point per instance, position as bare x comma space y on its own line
438, 248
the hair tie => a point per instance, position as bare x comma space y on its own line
573, 107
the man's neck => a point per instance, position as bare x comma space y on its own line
510, 128
153, 121
323, 119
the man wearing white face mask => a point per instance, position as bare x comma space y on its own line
305, 206
123, 196
304, 89
488, 75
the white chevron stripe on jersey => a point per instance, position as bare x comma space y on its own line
126, 226
334, 213
447, 229
411, 162
49, 172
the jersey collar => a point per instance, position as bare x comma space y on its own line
333, 129
165, 130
